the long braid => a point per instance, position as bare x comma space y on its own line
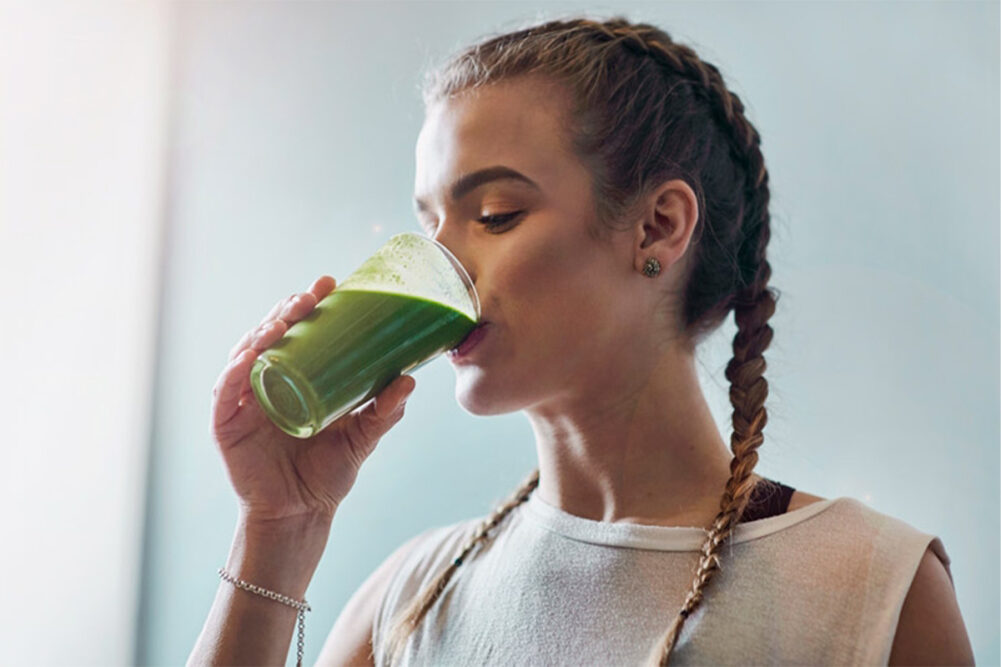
411, 616
754, 304
748, 390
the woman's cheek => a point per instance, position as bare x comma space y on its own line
521, 269
548, 280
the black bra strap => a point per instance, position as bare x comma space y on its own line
769, 498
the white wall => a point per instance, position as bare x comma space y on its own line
82, 130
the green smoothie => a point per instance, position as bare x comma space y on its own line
353, 344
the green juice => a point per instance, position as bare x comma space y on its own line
347, 350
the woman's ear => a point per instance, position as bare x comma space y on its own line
667, 220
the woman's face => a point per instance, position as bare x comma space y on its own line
564, 308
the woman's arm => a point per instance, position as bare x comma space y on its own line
931, 630
289, 490
245, 628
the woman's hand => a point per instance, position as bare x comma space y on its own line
276, 475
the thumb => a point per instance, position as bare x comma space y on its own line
392, 398
364, 428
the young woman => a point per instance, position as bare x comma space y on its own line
610, 200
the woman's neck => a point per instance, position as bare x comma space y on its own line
639, 448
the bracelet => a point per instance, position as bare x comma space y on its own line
301, 607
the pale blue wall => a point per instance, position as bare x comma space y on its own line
293, 136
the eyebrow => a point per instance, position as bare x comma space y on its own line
469, 182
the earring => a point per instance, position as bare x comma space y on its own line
651, 268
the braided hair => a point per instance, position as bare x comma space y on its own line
646, 109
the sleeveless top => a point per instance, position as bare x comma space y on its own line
823, 584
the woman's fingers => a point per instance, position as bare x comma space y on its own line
322, 286
234, 381
392, 397
244, 341
290, 310
364, 428
228, 388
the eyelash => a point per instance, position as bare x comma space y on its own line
492, 221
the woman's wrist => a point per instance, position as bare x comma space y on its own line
278, 554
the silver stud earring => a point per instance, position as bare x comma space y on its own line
651, 268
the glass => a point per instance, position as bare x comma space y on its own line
405, 305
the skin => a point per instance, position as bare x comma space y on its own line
930, 630
623, 431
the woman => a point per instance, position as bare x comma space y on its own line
610, 200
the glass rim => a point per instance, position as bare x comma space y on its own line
460, 269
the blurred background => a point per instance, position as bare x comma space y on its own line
169, 171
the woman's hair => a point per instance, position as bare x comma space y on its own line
644, 110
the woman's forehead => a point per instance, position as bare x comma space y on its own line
494, 116
515, 124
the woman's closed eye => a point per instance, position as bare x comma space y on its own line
491, 221
498, 219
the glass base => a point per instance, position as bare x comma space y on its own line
281, 399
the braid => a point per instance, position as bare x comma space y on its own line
748, 391
410, 617
754, 306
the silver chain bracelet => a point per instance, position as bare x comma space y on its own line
300, 607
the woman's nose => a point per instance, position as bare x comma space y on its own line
446, 236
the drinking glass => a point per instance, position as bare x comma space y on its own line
405, 305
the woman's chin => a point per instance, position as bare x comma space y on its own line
477, 398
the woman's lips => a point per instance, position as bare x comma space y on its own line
469, 342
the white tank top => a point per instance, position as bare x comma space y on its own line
821, 584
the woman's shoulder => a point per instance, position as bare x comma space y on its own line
852, 522
431, 549
910, 592
891, 572
854, 509
862, 533
415, 563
